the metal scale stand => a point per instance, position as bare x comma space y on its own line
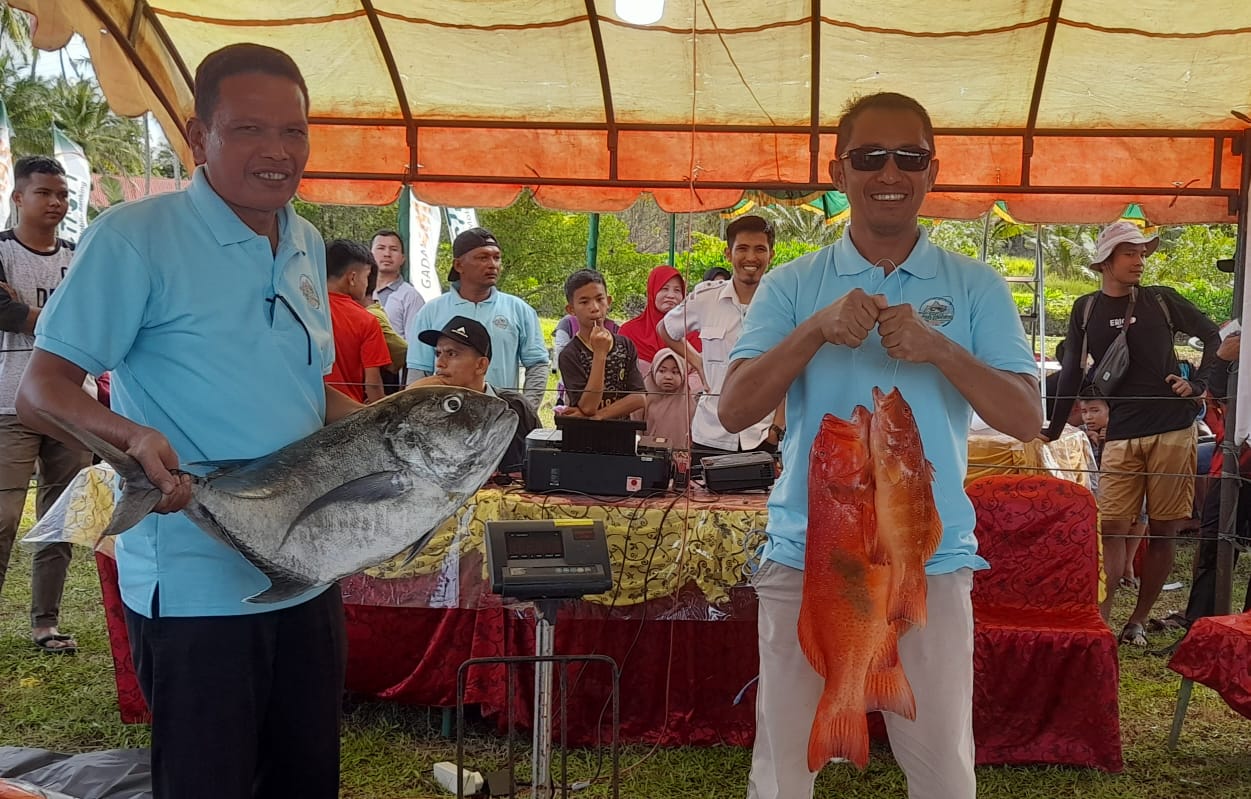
546, 562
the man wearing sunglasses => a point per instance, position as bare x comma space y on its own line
882, 307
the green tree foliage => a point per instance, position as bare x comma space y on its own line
541, 248
354, 222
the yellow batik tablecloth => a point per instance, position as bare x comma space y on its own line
1069, 457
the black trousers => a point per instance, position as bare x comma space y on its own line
1202, 601
244, 707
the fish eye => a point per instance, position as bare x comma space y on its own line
452, 404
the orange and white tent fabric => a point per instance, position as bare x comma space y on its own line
1068, 109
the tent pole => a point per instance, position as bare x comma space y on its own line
673, 239
402, 226
592, 243
1229, 448
1040, 311
985, 237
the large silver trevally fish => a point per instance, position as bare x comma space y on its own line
351, 495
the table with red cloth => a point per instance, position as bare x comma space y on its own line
680, 622
1216, 652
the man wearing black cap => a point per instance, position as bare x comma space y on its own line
462, 357
513, 326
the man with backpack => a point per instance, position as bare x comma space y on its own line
1127, 329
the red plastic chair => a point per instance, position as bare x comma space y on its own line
1048, 675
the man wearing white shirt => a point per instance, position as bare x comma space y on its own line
715, 309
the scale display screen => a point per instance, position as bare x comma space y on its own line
548, 558
535, 544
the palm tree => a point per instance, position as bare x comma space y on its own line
113, 144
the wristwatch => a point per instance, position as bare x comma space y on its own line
780, 432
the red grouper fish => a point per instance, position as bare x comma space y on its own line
844, 628
909, 526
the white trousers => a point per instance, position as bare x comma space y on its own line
935, 751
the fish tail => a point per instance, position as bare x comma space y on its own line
139, 496
838, 733
890, 690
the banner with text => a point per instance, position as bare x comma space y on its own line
460, 220
424, 225
78, 176
6, 167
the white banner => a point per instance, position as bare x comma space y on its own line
6, 167
1242, 405
460, 220
78, 176
424, 225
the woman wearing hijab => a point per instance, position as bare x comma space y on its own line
665, 289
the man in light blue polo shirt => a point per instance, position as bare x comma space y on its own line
882, 307
209, 308
516, 338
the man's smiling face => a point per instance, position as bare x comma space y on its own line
885, 202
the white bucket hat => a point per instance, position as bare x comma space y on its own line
1121, 233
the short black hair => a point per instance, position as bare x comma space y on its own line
28, 165
342, 255
386, 232
748, 224
716, 272
371, 285
886, 101
580, 278
241, 59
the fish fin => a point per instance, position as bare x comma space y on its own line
889, 690
838, 733
416, 549
908, 602
283, 585
370, 488
139, 496
874, 545
887, 655
213, 468
888, 470
808, 643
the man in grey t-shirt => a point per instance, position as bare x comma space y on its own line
32, 262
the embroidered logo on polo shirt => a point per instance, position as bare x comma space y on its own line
309, 292
501, 322
937, 311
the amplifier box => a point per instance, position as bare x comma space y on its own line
738, 471
592, 473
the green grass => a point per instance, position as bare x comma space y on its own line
69, 704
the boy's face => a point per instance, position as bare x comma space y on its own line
589, 304
42, 200
1095, 414
668, 376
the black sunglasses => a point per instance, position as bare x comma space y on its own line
872, 159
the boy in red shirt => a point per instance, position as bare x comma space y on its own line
360, 351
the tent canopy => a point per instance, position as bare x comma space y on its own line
1068, 109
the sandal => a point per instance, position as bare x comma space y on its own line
70, 647
1134, 635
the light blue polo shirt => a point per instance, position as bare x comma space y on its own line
516, 337
966, 300
212, 339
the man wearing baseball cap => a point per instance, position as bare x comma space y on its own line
513, 326
462, 358
1151, 433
